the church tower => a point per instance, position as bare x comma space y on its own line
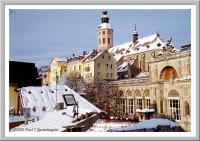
105, 33
135, 35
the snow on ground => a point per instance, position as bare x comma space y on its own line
148, 124
102, 125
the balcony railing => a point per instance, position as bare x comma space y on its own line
129, 81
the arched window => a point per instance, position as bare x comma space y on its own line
108, 40
174, 104
104, 40
147, 99
138, 99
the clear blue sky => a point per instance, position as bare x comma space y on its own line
39, 35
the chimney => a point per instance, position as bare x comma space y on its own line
93, 51
73, 55
84, 53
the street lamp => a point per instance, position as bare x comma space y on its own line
56, 88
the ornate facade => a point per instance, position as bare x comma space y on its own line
164, 93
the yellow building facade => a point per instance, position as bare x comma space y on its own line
102, 65
95, 64
13, 95
58, 67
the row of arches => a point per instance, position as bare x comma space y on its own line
146, 93
168, 106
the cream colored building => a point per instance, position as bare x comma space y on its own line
165, 92
95, 64
76, 64
58, 67
100, 64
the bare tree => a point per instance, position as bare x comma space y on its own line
100, 93
75, 82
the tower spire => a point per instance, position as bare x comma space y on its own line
105, 18
135, 35
135, 27
105, 33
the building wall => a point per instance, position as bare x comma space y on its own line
106, 45
58, 66
46, 80
162, 91
88, 69
103, 66
70, 68
140, 63
13, 95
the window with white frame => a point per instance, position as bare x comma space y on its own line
74, 68
111, 66
99, 74
148, 104
104, 40
107, 66
123, 107
111, 75
139, 103
102, 56
130, 106
108, 57
175, 108
98, 64
107, 75
79, 67
70, 68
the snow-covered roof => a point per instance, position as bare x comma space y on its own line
60, 59
103, 125
78, 58
143, 74
105, 25
183, 78
145, 110
40, 97
147, 124
92, 56
45, 96
152, 42
53, 121
124, 66
104, 16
